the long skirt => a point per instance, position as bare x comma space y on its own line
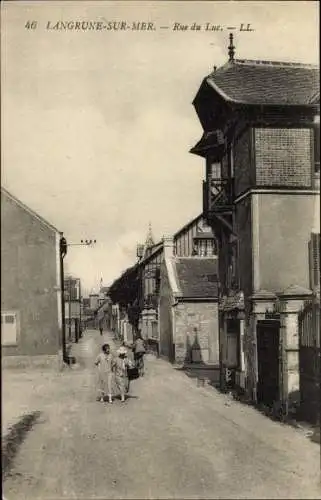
122, 384
105, 383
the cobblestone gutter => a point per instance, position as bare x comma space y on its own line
14, 437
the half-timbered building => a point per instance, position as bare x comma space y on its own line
195, 238
137, 291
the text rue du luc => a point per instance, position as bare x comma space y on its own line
211, 27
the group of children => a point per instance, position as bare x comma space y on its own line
113, 369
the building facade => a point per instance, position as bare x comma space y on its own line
31, 319
195, 238
73, 307
188, 308
137, 291
261, 197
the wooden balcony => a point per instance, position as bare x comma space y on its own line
218, 196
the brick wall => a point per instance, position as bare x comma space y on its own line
283, 157
28, 281
196, 327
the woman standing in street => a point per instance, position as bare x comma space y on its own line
121, 365
105, 363
139, 350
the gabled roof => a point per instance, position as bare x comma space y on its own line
250, 82
197, 277
34, 214
159, 246
186, 226
153, 251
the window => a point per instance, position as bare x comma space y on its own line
232, 354
314, 261
204, 247
157, 281
316, 148
8, 329
215, 171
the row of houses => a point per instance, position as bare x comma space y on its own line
39, 316
185, 267
239, 286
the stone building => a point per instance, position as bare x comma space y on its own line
31, 319
261, 196
188, 308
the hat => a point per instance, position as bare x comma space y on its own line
122, 350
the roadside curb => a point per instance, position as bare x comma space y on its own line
15, 437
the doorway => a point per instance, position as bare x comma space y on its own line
268, 340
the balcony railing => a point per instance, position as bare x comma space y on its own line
218, 195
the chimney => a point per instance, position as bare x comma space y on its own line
169, 247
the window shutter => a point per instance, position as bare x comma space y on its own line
314, 254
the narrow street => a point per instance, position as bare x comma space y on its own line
170, 439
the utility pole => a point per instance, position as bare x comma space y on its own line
63, 253
69, 309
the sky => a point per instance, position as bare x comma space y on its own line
97, 125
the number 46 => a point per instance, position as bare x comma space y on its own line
31, 25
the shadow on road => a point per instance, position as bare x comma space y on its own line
15, 437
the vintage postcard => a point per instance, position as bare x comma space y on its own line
160, 249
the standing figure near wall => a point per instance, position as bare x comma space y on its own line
101, 326
139, 350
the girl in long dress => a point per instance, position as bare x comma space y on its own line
105, 363
121, 365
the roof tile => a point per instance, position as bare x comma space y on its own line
197, 277
266, 82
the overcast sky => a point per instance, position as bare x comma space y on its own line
97, 126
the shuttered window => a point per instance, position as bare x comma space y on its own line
316, 144
314, 254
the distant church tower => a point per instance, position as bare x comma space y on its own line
149, 242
